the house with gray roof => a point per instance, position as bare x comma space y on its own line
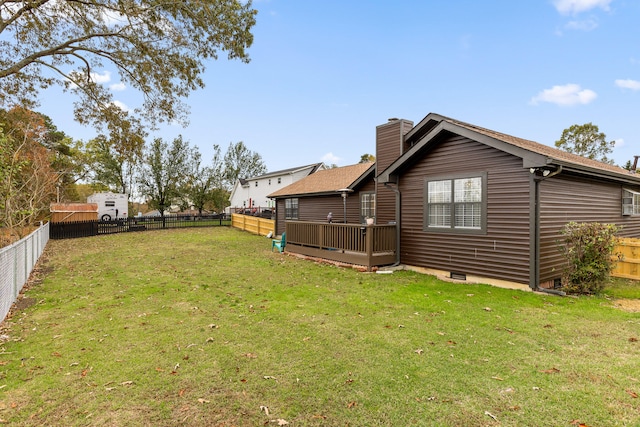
249, 194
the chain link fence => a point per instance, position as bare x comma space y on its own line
16, 263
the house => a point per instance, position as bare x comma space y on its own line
339, 191
252, 193
469, 202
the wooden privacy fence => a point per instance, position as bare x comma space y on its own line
629, 267
367, 245
253, 224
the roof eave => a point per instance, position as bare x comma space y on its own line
597, 173
529, 158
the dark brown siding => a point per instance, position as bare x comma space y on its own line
389, 146
386, 205
316, 208
501, 253
566, 198
389, 142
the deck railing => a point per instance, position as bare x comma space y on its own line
367, 245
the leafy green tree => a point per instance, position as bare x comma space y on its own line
632, 166
586, 140
69, 160
367, 158
199, 182
157, 47
219, 199
240, 162
164, 172
116, 158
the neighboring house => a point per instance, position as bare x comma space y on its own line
252, 193
314, 197
472, 202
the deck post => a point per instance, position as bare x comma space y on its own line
369, 245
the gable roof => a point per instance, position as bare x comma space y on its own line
425, 134
327, 181
313, 168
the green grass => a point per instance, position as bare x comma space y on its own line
204, 327
622, 288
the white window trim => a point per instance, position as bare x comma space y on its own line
630, 207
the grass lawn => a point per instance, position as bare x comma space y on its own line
208, 327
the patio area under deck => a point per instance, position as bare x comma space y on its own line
359, 244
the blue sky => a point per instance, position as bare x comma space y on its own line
324, 74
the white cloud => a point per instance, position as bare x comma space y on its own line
628, 84
588, 25
619, 142
567, 95
330, 159
118, 87
569, 7
122, 106
101, 78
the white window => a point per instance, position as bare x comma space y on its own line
456, 203
630, 202
367, 205
291, 208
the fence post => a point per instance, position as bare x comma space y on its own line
26, 259
15, 272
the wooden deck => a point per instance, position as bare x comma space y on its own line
367, 245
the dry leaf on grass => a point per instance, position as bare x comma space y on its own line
265, 410
551, 371
201, 400
489, 414
632, 394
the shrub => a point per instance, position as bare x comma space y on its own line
588, 249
